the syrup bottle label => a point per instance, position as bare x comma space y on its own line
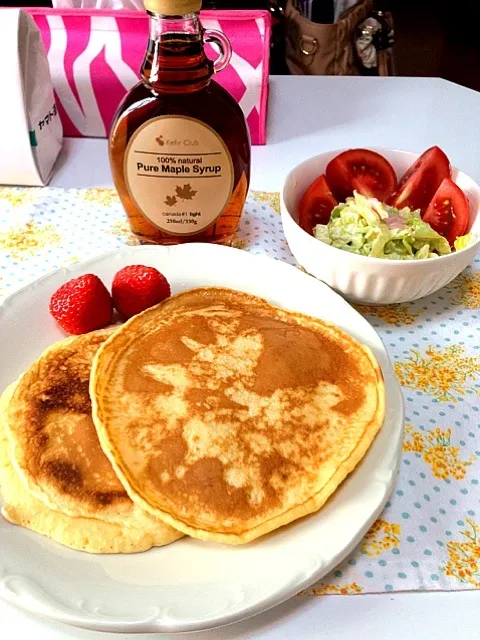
179, 173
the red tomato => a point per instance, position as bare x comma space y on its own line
417, 187
448, 212
316, 205
367, 172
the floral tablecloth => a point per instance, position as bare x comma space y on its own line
428, 537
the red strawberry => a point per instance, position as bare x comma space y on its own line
137, 288
82, 305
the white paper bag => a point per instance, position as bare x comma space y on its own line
30, 127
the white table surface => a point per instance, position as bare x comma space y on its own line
308, 116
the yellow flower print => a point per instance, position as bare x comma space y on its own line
382, 536
239, 244
105, 197
122, 230
464, 557
18, 196
467, 291
445, 374
416, 443
437, 451
28, 238
265, 197
332, 589
391, 314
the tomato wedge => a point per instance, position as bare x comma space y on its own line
316, 205
448, 213
361, 170
420, 182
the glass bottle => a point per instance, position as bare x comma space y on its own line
179, 145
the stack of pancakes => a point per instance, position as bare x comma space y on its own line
54, 477
215, 415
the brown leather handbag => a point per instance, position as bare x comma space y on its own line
330, 49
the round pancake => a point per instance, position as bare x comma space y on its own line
54, 445
228, 417
83, 534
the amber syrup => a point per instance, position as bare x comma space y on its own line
177, 81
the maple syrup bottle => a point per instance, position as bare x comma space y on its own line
179, 146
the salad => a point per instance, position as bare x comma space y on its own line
358, 206
368, 227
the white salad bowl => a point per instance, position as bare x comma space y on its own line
362, 278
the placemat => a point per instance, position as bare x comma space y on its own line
428, 537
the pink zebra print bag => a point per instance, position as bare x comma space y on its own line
95, 57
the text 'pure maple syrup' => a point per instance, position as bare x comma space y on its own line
179, 146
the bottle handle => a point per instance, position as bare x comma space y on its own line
221, 40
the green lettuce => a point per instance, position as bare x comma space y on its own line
463, 241
367, 227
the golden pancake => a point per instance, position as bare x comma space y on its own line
54, 446
83, 534
228, 417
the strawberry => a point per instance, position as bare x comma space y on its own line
82, 305
136, 288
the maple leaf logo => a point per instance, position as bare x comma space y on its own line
170, 201
186, 192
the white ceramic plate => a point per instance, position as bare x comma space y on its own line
192, 585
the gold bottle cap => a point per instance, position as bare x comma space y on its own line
173, 7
